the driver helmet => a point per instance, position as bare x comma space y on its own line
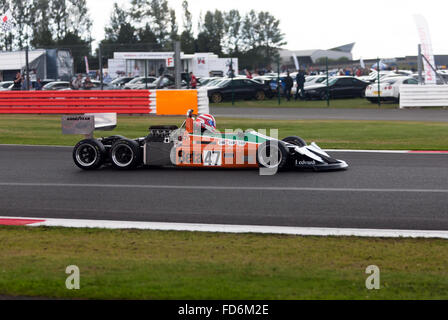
207, 122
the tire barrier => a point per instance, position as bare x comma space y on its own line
156, 102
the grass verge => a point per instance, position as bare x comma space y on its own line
387, 135
134, 264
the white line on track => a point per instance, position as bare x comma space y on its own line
236, 188
221, 228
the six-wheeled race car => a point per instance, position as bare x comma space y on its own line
197, 143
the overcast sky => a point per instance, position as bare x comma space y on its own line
383, 28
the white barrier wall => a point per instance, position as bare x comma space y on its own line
418, 96
203, 101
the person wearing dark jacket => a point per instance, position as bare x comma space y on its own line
289, 83
300, 79
18, 82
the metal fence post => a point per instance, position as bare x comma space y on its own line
232, 74
27, 79
379, 79
100, 55
278, 82
328, 86
420, 65
177, 64
146, 74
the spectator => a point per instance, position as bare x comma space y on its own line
107, 78
24, 83
88, 84
193, 81
38, 86
77, 83
300, 79
18, 82
289, 82
248, 74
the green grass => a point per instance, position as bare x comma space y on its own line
179, 265
337, 103
400, 135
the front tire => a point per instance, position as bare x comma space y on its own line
125, 154
272, 155
89, 154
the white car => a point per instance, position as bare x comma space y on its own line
389, 89
140, 83
6, 85
312, 80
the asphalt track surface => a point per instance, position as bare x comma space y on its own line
381, 191
436, 115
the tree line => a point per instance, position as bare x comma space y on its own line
49, 24
146, 25
254, 38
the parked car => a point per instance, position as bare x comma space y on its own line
214, 83
166, 82
240, 89
57, 85
6, 85
204, 81
120, 82
373, 76
338, 87
140, 83
389, 89
312, 80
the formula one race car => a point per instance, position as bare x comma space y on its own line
197, 144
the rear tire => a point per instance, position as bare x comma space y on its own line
125, 154
89, 154
323, 96
264, 155
297, 141
260, 96
216, 98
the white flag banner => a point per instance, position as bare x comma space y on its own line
361, 62
7, 21
296, 62
425, 39
86, 60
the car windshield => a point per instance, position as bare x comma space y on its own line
205, 81
142, 80
214, 83
223, 83
119, 81
332, 81
320, 80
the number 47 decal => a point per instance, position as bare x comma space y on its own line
212, 158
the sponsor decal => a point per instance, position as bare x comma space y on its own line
305, 163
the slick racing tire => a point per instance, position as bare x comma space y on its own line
89, 154
125, 154
297, 141
266, 155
